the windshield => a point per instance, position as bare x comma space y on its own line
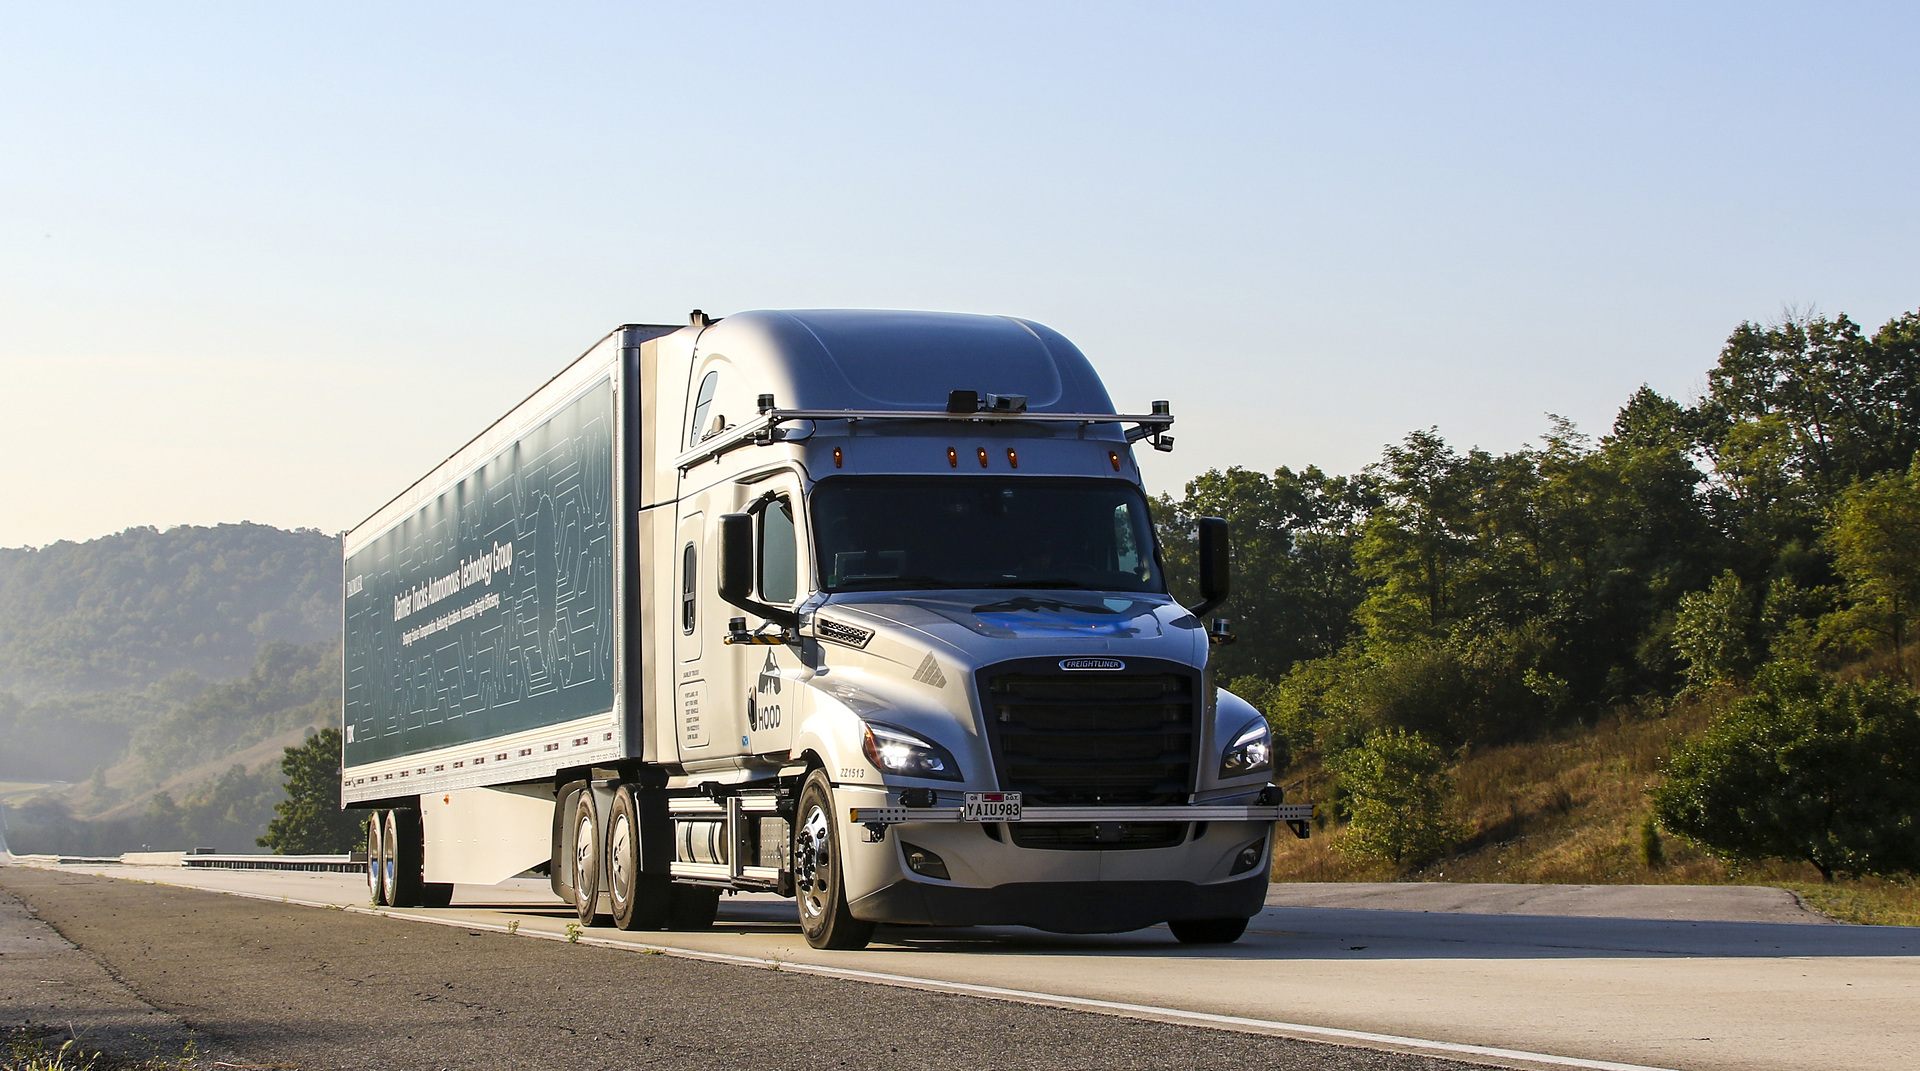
912, 532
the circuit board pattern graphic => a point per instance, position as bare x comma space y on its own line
491, 609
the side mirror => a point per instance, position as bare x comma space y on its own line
736, 558
1216, 565
736, 571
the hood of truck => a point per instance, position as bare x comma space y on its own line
982, 627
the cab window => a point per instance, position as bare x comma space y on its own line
702, 403
779, 563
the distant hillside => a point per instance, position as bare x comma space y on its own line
184, 645
124, 611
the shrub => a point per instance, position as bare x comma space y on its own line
1395, 788
1804, 769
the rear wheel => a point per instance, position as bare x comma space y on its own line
402, 854
587, 854
376, 858
1208, 931
818, 875
641, 901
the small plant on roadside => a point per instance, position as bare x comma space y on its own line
513, 926
574, 930
1652, 852
1396, 787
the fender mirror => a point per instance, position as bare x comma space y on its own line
1216, 565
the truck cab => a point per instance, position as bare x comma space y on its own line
919, 592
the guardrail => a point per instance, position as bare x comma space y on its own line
351, 863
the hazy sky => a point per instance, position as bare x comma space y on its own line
272, 261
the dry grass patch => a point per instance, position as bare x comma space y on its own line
1569, 809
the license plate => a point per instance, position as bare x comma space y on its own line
991, 807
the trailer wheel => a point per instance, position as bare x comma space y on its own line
402, 853
818, 874
377, 858
641, 901
1208, 931
588, 848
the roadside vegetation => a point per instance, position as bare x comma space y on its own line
1678, 652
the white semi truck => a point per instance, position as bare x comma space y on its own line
862, 608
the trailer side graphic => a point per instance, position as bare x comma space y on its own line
490, 610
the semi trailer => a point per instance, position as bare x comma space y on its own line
861, 608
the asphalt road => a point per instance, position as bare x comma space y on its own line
270, 983
1670, 991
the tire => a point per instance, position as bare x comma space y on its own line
589, 851
376, 858
818, 881
389, 869
403, 852
1208, 931
641, 901
694, 907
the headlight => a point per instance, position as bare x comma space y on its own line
1251, 751
899, 751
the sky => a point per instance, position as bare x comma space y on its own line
271, 262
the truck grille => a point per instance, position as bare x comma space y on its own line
1084, 739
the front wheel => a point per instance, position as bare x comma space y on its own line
818, 875
1208, 931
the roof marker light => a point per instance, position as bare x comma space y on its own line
953, 458
983, 457
836, 457
1113, 458
1013, 459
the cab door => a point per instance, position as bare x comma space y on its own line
693, 574
768, 676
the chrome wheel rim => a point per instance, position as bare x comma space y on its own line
374, 851
583, 858
388, 865
620, 857
812, 858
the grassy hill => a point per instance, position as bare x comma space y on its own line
1572, 808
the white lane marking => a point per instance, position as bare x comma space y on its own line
1179, 1016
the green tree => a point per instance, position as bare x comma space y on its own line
1714, 632
1876, 543
1806, 769
1395, 787
309, 821
1295, 583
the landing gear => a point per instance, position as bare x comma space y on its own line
817, 874
1208, 931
